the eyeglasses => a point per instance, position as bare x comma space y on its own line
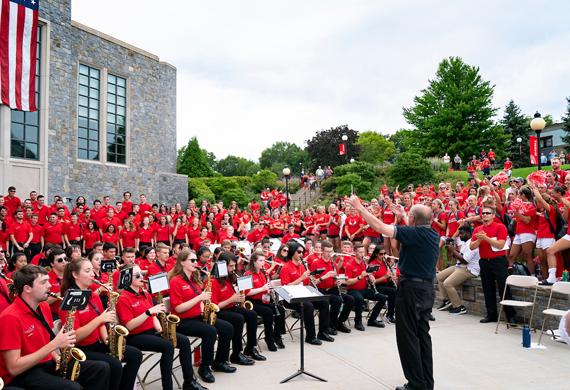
284, 250
486, 213
138, 275
61, 260
382, 253
193, 259
300, 251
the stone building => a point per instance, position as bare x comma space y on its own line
106, 121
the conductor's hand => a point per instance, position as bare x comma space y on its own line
354, 201
64, 339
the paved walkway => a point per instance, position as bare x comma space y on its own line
467, 355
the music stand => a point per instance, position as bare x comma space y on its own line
300, 294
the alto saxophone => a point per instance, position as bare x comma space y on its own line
247, 305
70, 358
117, 333
210, 308
168, 323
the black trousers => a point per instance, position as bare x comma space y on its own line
122, 378
341, 306
414, 301
308, 315
359, 297
239, 317
273, 323
153, 341
494, 275
32, 250
195, 327
390, 292
93, 376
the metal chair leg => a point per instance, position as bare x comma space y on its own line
499, 319
542, 330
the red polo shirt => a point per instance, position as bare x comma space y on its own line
73, 231
145, 235
20, 230
90, 238
328, 283
52, 233
291, 272
131, 305
181, 291
259, 280
26, 332
352, 269
494, 230
83, 317
221, 291
55, 282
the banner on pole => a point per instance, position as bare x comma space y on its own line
533, 150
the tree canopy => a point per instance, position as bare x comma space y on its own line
282, 154
191, 160
454, 113
236, 166
516, 125
374, 147
323, 148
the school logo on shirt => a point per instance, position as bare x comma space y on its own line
136, 304
29, 332
186, 287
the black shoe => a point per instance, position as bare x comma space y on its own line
458, 310
359, 326
487, 320
325, 337
254, 354
391, 319
376, 324
271, 345
545, 282
343, 328
431, 317
314, 341
242, 360
224, 367
332, 331
279, 343
405, 387
206, 374
193, 385
445, 305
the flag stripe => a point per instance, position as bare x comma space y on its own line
25, 79
33, 59
20, 17
4, 21
12, 30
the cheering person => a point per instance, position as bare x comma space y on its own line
92, 336
187, 301
230, 303
137, 312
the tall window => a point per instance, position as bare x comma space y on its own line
25, 126
116, 119
88, 113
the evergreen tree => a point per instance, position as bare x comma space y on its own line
454, 113
566, 122
516, 125
323, 148
192, 161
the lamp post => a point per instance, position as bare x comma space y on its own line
287, 173
352, 160
519, 141
537, 125
344, 141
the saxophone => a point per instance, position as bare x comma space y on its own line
168, 323
117, 333
247, 305
69, 366
210, 308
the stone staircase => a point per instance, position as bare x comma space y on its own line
303, 198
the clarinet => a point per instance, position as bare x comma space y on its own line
272, 296
311, 279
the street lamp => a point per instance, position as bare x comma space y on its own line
344, 140
519, 141
352, 160
537, 125
287, 173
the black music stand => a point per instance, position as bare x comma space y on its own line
297, 295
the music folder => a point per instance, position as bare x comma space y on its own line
300, 293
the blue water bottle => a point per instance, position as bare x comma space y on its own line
526, 337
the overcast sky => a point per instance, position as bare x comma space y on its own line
251, 73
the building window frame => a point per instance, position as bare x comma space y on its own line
116, 118
546, 142
88, 112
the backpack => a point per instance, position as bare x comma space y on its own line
520, 269
561, 226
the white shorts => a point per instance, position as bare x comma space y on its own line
523, 238
442, 238
544, 243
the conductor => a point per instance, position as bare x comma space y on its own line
415, 297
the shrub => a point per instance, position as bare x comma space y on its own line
262, 180
198, 190
237, 194
410, 168
218, 185
365, 170
329, 184
352, 182
438, 165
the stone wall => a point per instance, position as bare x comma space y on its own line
472, 294
151, 115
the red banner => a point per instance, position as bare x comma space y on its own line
533, 150
342, 149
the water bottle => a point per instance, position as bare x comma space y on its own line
526, 336
565, 276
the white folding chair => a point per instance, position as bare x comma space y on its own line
561, 288
527, 282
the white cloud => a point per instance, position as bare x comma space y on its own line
251, 73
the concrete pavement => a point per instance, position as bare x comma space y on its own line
467, 355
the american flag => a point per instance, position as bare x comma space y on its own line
18, 35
